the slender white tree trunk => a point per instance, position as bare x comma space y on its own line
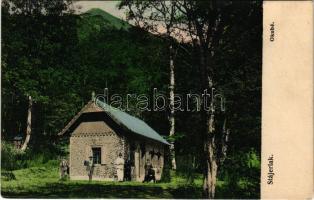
29, 124
171, 117
210, 178
210, 175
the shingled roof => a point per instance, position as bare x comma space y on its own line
131, 123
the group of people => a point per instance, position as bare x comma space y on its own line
123, 170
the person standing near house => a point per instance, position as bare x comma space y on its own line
127, 170
149, 172
91, 168
64, 168
119, 163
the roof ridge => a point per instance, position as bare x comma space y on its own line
132, 123
120, 117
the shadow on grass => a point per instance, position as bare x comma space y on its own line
95, 190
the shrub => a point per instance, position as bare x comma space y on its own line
186, 166
7, 176
12, 158
241, 173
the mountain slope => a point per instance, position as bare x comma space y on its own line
107, 18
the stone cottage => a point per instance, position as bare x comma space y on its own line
102, 132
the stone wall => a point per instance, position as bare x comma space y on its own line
81, 144
98, 134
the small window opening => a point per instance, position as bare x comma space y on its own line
96, 155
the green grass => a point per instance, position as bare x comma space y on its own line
43, 182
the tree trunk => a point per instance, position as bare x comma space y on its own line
171, 117
210, 169
29, 124
210, 173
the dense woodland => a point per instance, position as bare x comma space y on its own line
59, 59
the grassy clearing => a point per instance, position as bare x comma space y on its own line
44, 182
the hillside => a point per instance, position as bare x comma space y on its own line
107, 18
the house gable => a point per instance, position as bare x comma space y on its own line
89, 128
88, 108
115, 118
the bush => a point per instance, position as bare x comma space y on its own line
12, 158
7, 176
52, 163
241, 173
186, 166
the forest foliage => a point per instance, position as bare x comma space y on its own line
60, 60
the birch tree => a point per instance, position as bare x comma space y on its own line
200, 23
205, 21
29, 124
31, 18
159, 18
